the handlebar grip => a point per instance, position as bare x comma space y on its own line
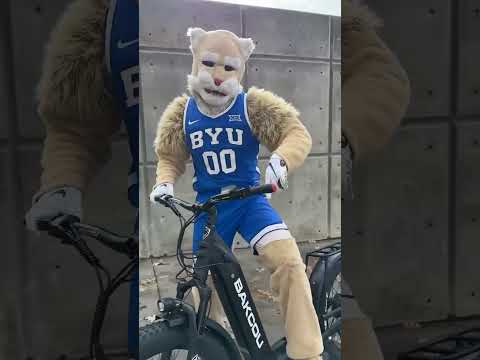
162, 199
44, 225
56, 222
264, 189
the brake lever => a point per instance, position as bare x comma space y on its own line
59, 227
167, 202
162, 199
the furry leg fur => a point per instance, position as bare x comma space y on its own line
290, 283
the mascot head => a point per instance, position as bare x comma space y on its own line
219, 59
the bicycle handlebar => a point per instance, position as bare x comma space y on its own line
208, 207
58, 228
241, 193
72, 232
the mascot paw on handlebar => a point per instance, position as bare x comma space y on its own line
64, 200
160, 190
221, 127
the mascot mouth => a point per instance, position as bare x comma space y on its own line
215, 92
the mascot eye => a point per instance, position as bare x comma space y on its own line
208, 63
229, 68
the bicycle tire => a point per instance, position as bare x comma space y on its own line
158, 338
325, 278
331, 346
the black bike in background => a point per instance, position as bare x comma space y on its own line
76, 234
179, 332
461, 345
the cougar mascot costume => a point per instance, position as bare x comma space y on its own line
375, 97
221, 127
89, 85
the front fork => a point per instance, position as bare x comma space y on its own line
200, 275
205, 293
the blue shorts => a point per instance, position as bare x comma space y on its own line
252, 217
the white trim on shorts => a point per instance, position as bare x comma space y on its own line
271, 233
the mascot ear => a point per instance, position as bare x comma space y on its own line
195, 34
246, 47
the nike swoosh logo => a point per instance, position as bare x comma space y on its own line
123, 44
192, 122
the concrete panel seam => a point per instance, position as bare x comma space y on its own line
425, 120
291, 58
173, 51
452, 164
159, 50
242, 21
329, 197
143, 144
312, 155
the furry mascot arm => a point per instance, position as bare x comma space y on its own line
78, 113
375, 88
169, 143
276, 124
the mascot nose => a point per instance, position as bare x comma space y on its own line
217, 82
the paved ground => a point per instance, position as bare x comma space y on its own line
166, 268
394, 340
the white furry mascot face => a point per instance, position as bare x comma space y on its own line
219, 59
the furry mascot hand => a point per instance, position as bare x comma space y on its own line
65, 200
159, 190
276, 173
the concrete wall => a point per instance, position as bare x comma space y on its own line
297, 57
411, 244
48, 298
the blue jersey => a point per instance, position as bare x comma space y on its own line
223, 148
121, 55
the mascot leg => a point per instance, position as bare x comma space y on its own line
290, 283
358, 336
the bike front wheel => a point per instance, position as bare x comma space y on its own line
326, 279
331, 315
158, 341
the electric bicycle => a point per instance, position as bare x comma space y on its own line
179, 329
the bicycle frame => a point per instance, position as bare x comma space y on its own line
214, 256
229, 279
236, 299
